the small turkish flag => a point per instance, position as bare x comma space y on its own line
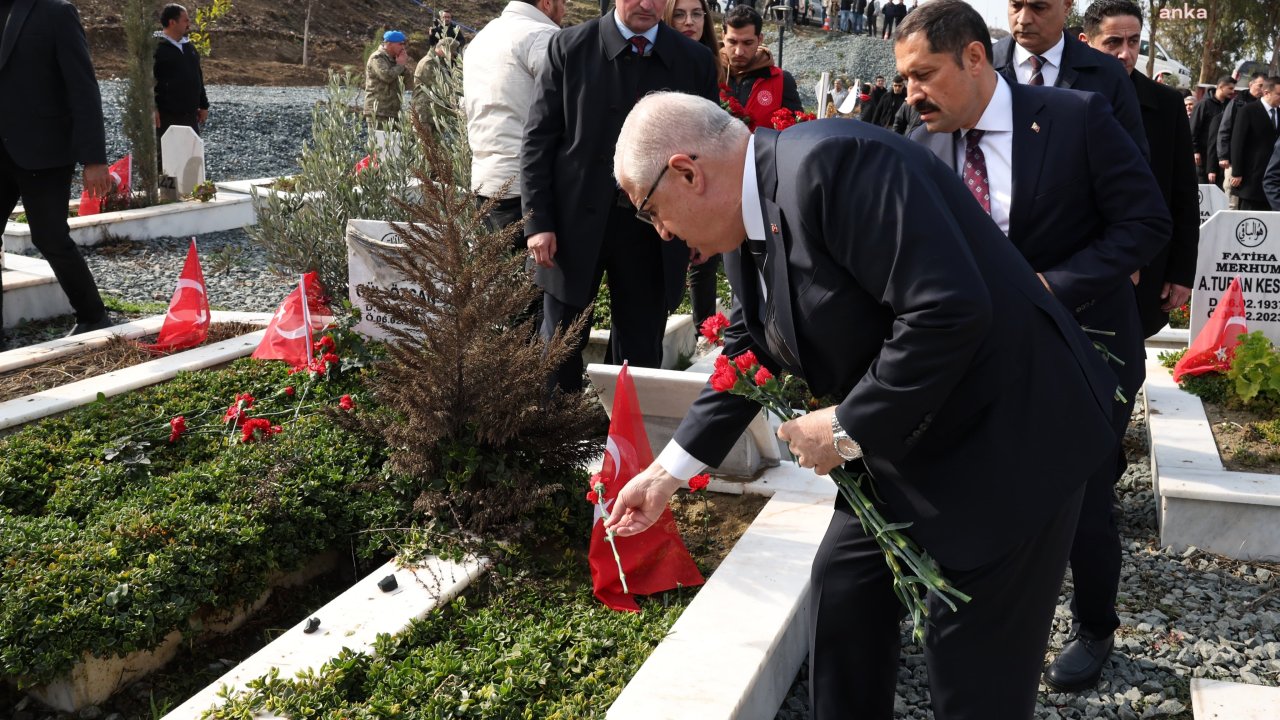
288, 336
120, 172
1214, 347
187, 322
656, 559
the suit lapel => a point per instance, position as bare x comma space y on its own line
17, 15
779, 323
1004, 62
1031, 134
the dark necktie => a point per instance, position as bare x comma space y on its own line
641, 43
757, 248
1275, 123
975, 169
1037, 63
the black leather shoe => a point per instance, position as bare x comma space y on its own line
84, 327
1079, 665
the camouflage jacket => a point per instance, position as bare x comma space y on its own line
433, 86
383, 88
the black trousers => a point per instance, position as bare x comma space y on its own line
702, 288
984, 660
504, 214
1255, 205
632, 258
45, 194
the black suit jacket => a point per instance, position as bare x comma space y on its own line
50, 109
891, 289
1085, 210
1252, 139
1084, 68
582, 96
1271, 181
1164, 117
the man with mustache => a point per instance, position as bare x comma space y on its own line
581, 225
1069, 188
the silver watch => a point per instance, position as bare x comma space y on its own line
846, 447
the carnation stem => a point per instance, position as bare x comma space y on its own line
609, 535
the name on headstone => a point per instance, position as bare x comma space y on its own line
1246, 245
368, 241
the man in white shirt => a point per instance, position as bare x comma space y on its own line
498, 71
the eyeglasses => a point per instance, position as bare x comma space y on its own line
645, 215
680, 16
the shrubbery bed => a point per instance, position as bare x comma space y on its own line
113, 537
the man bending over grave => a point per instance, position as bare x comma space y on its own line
921, 323
50, 119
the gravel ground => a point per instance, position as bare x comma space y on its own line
1183, 615
807, 53
252, 132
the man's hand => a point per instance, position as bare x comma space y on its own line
542, 248
642, 501
402, 58
809, 437
1135, 277
1224, 164
1213, 177
1174, 296
1197, 159
1236, 180
201, 115
97, 181
157, 113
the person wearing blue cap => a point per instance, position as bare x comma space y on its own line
383, 79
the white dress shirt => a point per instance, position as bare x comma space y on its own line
997, 147
673, 458
1048, 71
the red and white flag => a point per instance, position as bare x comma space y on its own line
289, 334
654, 560
187, 322
1214, 347
120, 172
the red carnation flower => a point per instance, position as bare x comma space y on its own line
592, 497
698, 482
746, 361
346, 403
289, 391
725, 375
713, 328
324, 344
330, 358
763, 375
177, 426
254, 428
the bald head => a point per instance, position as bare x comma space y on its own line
668, 123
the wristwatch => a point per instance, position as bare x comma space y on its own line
846, 447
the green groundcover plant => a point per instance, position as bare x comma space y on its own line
524, 643
119, 521
1252, 380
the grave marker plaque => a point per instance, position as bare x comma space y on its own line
1244, 244
366, 241
182, 154
1212, 199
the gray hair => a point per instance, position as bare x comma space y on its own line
664, 124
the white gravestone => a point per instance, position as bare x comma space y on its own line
1212, 199
366, 241
824, 94
182, 155
1244, 244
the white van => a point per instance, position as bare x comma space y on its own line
1165, 65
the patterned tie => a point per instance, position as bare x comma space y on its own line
1037, 63
975, 169
641, 43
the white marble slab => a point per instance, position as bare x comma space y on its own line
31, 291
744, 636
65, 397
1200, 503
1169, 338
182, 155
352, 620
1219, 700
665, 397
228, 211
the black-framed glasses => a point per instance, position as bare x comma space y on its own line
645, 215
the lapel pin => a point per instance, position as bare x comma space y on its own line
774, 228
1035, 127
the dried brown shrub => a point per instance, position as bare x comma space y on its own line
465, 382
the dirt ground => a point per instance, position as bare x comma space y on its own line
1247, 441
711, 523
260, 41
